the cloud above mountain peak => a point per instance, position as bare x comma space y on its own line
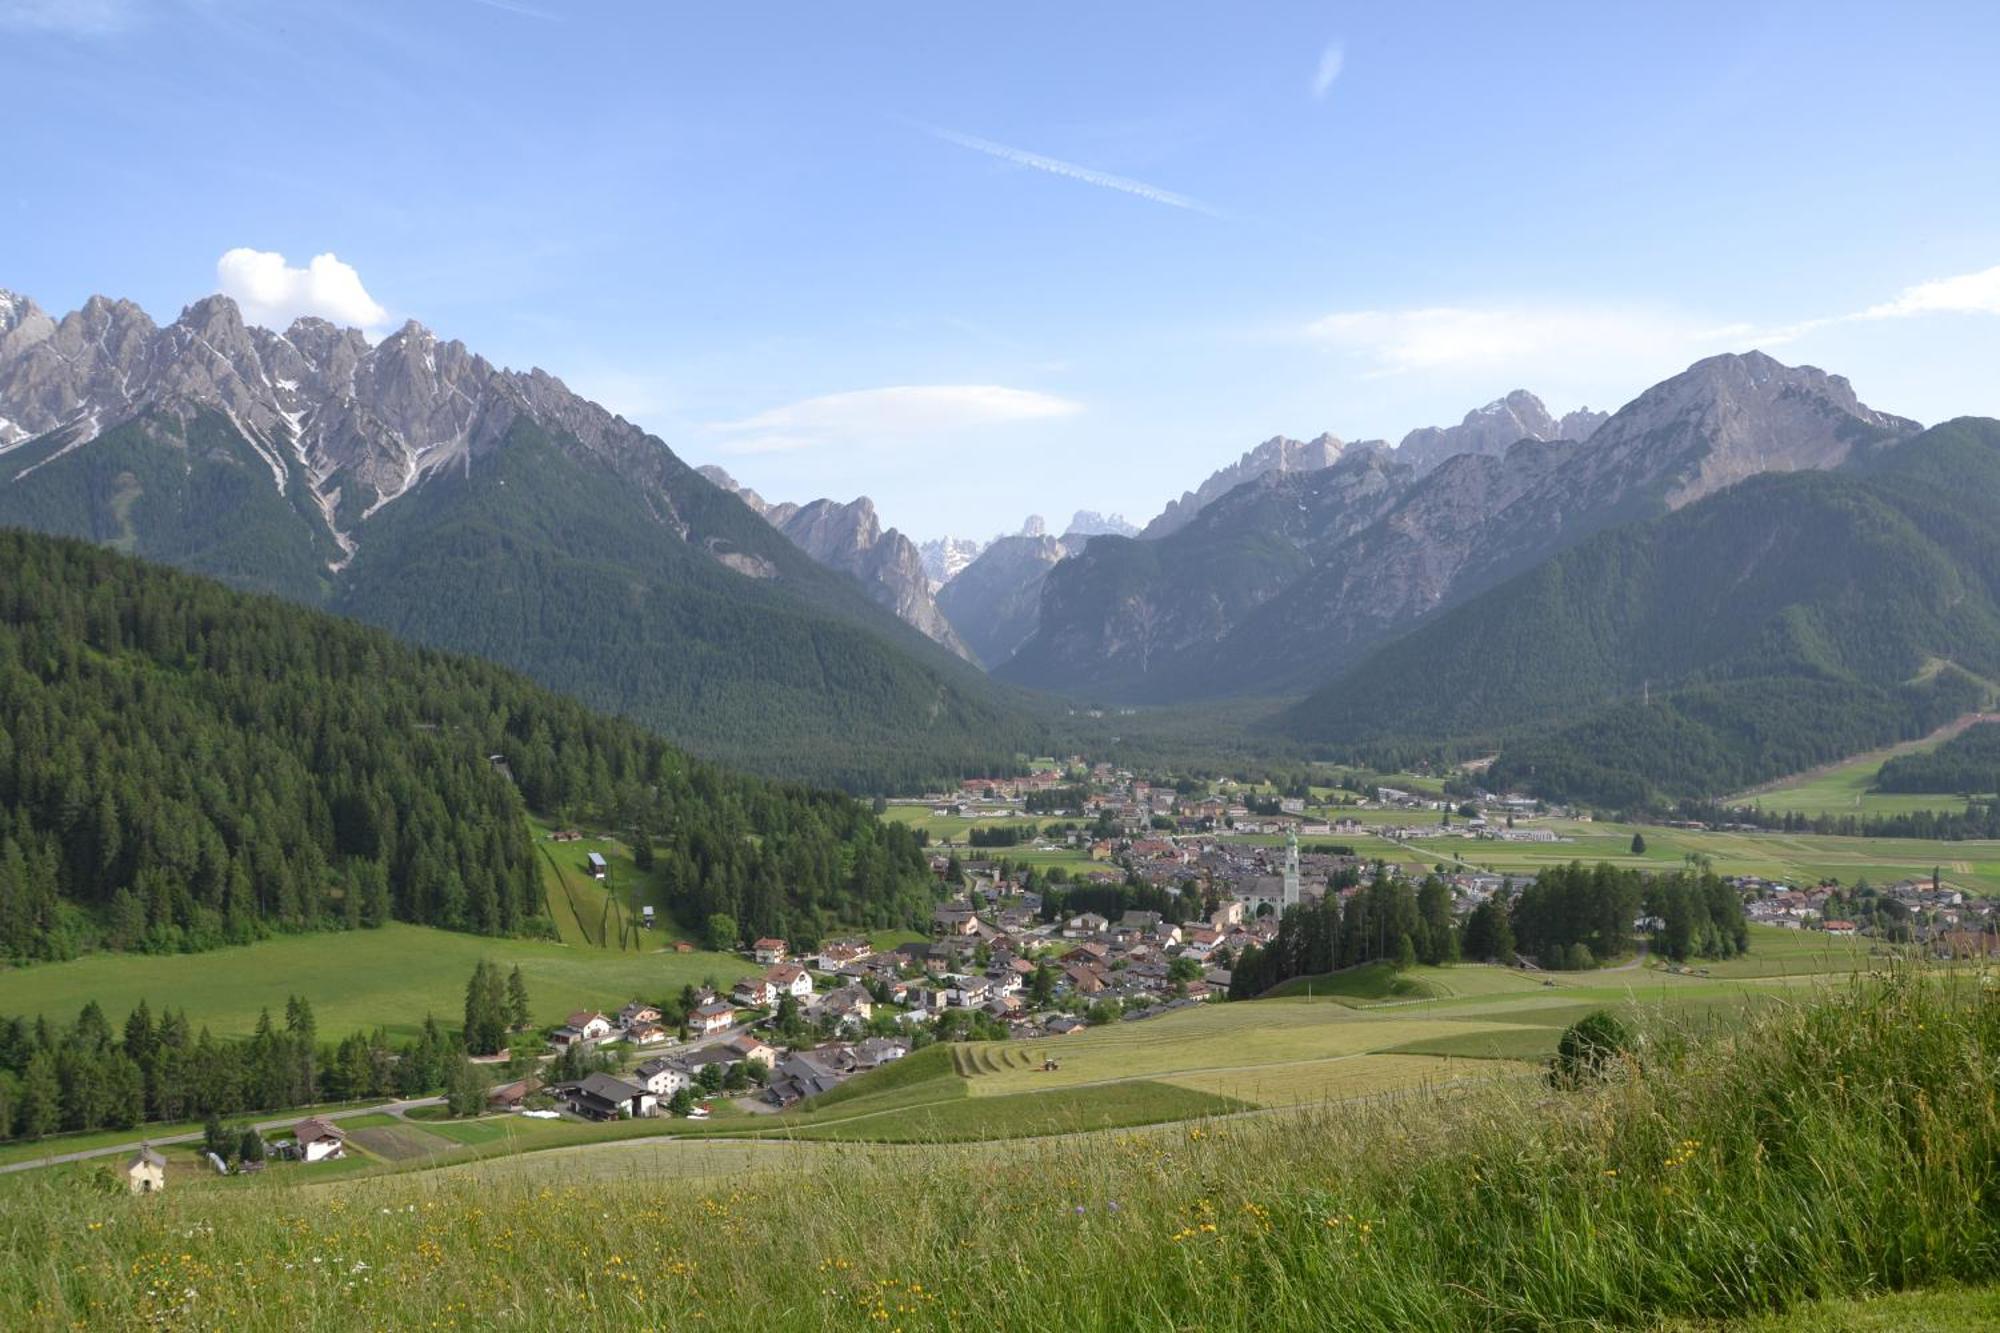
273, 293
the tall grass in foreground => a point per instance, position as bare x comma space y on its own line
1847, 1144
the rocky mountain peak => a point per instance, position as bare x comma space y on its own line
22, 322
359, 425
1733, 416
1277, 454
1489, 430
825, 527
1090, 523
850, 538
1524, 408
1580, 425
946, 557
217, 318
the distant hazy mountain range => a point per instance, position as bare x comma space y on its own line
1007, 601
1291, 576
413, 484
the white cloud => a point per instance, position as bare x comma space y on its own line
1592, 340
87, 18
524, 10
1088, 175
1968, 293
273, 293
899, 414
1500, 339
1331, 61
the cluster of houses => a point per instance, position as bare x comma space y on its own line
1166, 835
1089, 957
1940, 917
984, 956
314, 1139
786, 1077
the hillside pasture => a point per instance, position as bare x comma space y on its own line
1299, 1083
1847, 788
607, 913
1213, 1037
1511, 1205
1368, 982
1792, 953
388, 977
952, 830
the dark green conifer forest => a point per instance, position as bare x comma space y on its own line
183, 765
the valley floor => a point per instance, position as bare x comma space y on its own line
1364, 1036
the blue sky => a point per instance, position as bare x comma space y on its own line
982, 260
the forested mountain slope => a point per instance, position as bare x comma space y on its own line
412, 483
725, 637
1779, 623
1966, 765
183, 765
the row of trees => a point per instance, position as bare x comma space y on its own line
1389, 919
1573, 916
1570, 917
86, 1076
1967, 764
1055, 800
1178, 903
494, 1006
1001, 835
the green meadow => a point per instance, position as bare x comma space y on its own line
1825, 1161
607, 913
1359, 1035
1846, 788
389, 977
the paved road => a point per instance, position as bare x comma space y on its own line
379, 1108
1638, 959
